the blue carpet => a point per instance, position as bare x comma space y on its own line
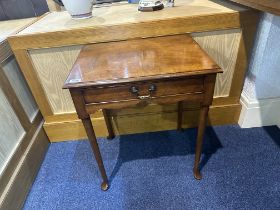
240, 167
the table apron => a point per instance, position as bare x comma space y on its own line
169, 99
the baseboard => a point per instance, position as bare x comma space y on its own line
258, 113
24, 173
140, 123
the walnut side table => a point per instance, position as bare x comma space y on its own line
160, 70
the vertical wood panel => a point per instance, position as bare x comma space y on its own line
32, 79
53, 66
10, 129
223, 47
20, 87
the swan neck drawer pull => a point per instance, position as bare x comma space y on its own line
135, 90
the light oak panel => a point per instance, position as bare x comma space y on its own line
57, 29
17, 81
9, 27
5, 176
52, 67
33, 81
223, 47
10, 129
124, 13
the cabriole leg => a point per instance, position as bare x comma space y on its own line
94, 145
201, 128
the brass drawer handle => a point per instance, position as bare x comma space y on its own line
145, 97
135, 90
152, 87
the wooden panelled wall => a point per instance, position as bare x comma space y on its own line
46, 62
23, 139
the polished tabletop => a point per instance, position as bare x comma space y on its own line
138, 60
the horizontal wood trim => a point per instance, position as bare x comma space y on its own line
271, 6
146, 122
5, 50
19, 182
129, 31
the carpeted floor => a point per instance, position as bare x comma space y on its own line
240, 167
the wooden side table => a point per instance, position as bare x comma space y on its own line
160, 70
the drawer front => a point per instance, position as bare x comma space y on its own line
144, 90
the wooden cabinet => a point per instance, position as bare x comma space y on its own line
47, 50
23, 142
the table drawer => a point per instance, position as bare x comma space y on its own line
142, 90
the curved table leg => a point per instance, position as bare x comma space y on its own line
94, 145
201, 128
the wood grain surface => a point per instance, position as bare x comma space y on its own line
11, 131
25, 171
33, 81
222, 46
187, 17
80, 34
139, 60
124, 13
142, 122
53, 66
11, 26
20, 87
8, 28
17, 156
163, 88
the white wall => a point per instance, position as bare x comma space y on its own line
261, 93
